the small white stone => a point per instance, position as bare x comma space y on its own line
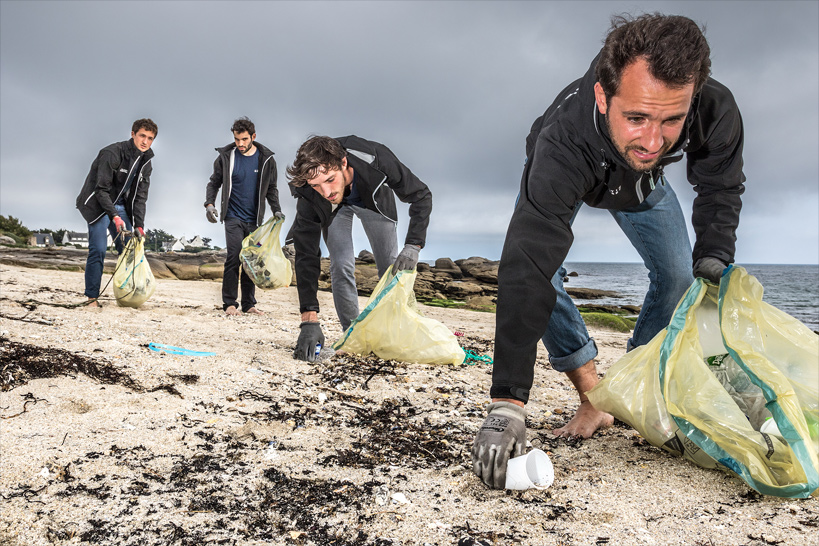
399, 498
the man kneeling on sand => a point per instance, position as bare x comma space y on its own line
645, 102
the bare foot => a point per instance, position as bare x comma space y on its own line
585, 422
254, 311
232, 311
92, 302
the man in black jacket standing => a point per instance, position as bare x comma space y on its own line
246, 171
113, 198
646, 101
334, 179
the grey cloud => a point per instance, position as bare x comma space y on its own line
451, 87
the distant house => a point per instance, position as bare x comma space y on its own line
196, 242
41, 239
176, 245
75, 238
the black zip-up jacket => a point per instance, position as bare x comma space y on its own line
570, 157
106, 180
381, 176
222, 176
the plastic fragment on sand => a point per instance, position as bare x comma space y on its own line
170, 349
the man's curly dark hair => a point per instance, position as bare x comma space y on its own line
674, 47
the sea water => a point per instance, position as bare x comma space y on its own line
793, 289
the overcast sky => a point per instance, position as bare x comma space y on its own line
451, 87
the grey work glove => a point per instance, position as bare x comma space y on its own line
502, 436
278, 214
407, 259
212, 214
309, 337
709, 269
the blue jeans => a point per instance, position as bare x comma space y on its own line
98, 244
657, 230
380, 231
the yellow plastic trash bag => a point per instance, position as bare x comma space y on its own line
133, 279
392, 327
670, 393
262, 256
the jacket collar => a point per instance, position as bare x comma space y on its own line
264, 150
134, 151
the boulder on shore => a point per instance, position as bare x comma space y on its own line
473, 279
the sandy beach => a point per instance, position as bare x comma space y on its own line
105, 441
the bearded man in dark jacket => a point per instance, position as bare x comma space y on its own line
646, 100
246, 172
334, 179
113, 198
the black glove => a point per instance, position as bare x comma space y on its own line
709, 269
407, 259
310, 336
278, 214
210, 212
502, 435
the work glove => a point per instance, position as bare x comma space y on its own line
140, 233
709, 269
212, 214
310, 336
407, 259
278, 214
502, 436
119, 224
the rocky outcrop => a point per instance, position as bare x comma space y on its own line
445, 266
480, 268
471, 280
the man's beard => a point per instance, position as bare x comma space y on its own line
639, 166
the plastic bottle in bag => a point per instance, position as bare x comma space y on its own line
745, 394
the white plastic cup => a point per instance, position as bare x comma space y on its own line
709, 330
770, 427
533, 470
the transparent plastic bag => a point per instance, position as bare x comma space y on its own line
392, 327
667, 391
262, 256
133, 279
748, 397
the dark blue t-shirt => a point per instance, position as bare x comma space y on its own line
244, 187
354, 198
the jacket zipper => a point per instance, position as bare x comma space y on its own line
126, 180
120, 191
376, 202
638, 189
229, 181
259, 206
136, 187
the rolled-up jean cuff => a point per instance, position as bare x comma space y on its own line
576, 359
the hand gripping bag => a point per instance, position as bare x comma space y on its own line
133, 280
668, 392
262, 256
392, 327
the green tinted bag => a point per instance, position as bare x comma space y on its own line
262, 256
133, 279
668, 392
392, 327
